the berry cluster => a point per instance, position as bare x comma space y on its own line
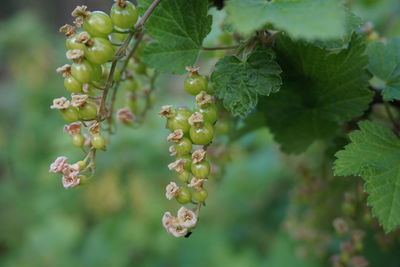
95, 46
191, 133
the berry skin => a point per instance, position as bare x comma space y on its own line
70, 114
184, 195
180, 121
98, 141
188, 161
84, 72
184, 176
100, 52
73, 85
209, 113
78, 140
201, 195
130, 85
88, 111
98, 24
117, 37
124, 17
183, 147
203, 135
72, 44
225, 38
201, 170
195, 83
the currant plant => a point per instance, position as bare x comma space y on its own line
311, 71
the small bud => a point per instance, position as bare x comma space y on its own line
60, 103
175, 136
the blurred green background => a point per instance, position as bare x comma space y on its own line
116, 219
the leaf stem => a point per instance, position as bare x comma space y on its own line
220, 48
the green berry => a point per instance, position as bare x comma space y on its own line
73, 85
124, 17
183, 147
130, 85
209, 113
180, 121
195, 83
184, 176
72, 44
184, 195
100, 51
88, 111
98, 24
201, 195
78, 140
201, 170
98, 141
84, 71
188, 161
202, 135
70, 114
225, 38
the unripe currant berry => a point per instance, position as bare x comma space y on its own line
202, 135
98, 24
98, 141
184, 176
140, 68
73, 85
84, 71
183, 147
184, 196
99, 51
195, 83
201, 170
78, 140
70, 114
71, 43
209, 113
130, 85
180, 121
124, 14
83, 179
201, 195
188, 161
117, 37
225, 38
87, 111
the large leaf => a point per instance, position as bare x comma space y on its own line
384, 63
321, 90
309, 19
239, 83
178, 28
374, 154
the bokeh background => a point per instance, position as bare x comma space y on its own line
116, 219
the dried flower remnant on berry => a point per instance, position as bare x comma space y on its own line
167, 111
175, 136
177, 165
340, 226
68, 30
171, 191
187, 218
203, 99
78, 100
58, 165
70, 181
125, 116
196, 183
73, 128
178, 230
75, 55
193, 69
172, 151
196, 119
60, 103
198, 156
80, 11
65, 70
95, 128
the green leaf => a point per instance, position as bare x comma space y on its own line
178, 28
240, 83
384, 63
374, 154
321, 90
308, 19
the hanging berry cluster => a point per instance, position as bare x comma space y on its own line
191, 134
95, 46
